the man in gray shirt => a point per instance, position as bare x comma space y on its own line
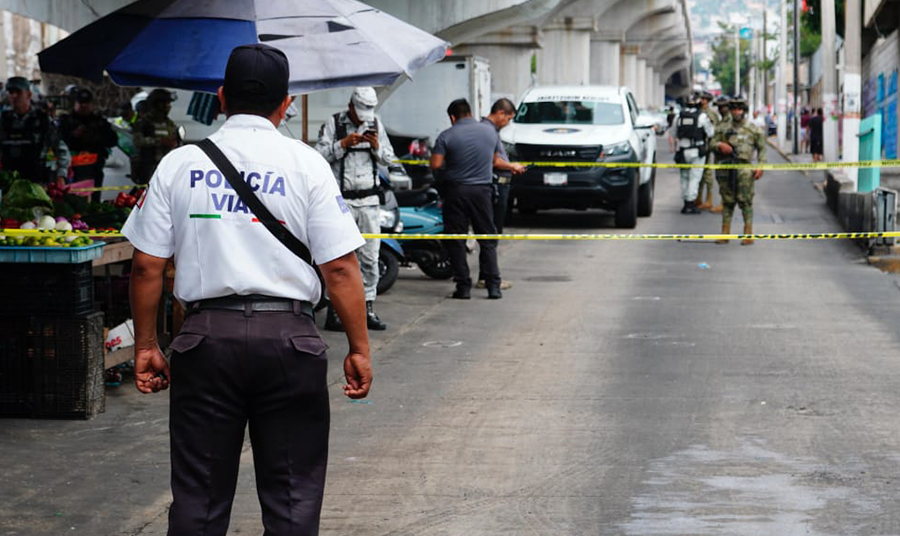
464, 157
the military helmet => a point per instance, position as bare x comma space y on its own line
738, 102
161, 95
705, 95
722, 100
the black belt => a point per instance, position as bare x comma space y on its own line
254, 303
361, 194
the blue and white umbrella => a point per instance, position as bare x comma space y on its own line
185, 44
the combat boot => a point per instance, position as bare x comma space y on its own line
372, 321
332, 321
748, 230
726, 229
705, 204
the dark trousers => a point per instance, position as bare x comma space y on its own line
501, 206
465, 205
230, 368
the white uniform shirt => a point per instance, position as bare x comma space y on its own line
191, 212
357, 164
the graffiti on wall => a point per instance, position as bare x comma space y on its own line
880, 97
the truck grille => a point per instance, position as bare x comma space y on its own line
557, 153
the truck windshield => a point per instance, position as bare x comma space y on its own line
570, 113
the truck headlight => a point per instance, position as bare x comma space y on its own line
615, 149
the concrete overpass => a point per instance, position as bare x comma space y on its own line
644, 44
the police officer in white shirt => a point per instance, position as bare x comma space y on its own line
249, 350
354, 142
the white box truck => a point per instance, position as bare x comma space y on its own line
418, 108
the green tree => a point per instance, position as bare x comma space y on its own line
721, 65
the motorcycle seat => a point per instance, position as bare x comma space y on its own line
416, 198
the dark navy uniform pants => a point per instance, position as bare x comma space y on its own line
232, 368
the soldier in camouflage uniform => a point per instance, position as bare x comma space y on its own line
707, 180
735, 142
154, 135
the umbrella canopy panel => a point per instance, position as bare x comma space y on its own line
186, 43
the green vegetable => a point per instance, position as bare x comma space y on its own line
22, 197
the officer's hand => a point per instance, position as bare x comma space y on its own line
724, 148
516, 168
757, 173
352, 139
372, 139
358, 371
151, 371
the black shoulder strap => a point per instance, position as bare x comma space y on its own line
280, 232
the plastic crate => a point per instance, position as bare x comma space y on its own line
51, 255
16, 375
66, 356
46, 289
111, 295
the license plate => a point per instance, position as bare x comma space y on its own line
556, 179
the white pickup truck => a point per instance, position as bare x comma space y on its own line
582, 124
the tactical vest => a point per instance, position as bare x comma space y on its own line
689, 128
23, 143
340, 132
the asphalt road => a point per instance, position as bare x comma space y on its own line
627, 388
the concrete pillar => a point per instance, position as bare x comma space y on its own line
852, 85
510, 54
566, 55
629, 66
829, 84
655, 87
641, 85
606, 64
650, 89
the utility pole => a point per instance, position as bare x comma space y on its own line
737, 61
765, 57
795, 127
852, 84
752, 72
781, 79
829, 83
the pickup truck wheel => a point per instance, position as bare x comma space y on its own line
627, 211
645, 195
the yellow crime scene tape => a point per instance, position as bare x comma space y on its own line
801, 166
543, 237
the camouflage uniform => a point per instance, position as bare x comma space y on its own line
707, 180
746, 138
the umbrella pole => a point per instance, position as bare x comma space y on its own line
304, 109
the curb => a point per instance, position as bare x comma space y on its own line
784, 155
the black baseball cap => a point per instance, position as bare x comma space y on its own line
257, 72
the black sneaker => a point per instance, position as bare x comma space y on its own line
494, 292
462, 292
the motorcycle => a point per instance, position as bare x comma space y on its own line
420, 213
391, 253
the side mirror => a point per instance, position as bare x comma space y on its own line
644, 122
